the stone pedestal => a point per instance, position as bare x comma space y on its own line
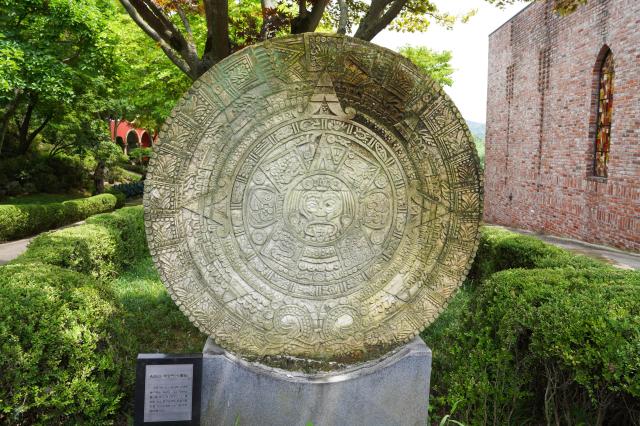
393, 390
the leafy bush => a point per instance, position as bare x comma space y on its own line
500, 249
128, 226
102, 248
120, 174
556, 344
121, 198
133, 189
21, 220
58, 364
37, 172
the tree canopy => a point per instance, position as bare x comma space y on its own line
435, 64
193, 51
56, 59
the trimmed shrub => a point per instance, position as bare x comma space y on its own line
101, 248
121, 197
128, 226
58, 364
561, 345
22, 220
500, 249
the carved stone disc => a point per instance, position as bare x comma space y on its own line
315, 196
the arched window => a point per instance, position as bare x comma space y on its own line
605, 110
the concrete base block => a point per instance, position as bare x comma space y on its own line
393, 390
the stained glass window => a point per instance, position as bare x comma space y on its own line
605, 109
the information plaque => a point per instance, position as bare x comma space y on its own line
168, 389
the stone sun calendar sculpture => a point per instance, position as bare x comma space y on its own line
313, 196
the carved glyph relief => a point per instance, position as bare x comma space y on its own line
313, 196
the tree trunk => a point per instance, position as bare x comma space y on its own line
98, 178
23, 129
6, 116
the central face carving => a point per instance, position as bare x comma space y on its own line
320, 208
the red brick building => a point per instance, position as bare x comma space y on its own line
563, 123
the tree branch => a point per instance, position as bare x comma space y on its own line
344, 16
308, 21
33, 134
23, 128
185, 21
376, 18
172, 43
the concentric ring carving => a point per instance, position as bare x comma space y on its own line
313, 196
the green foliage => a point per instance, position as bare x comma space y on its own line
107, 153
60, 63
479, 142
102, 248
21, 220
36, 172
121, 198
435, 64
57, 359
138, 154
68, 344
558, 343
127, 225
500, 249
149, 84
38, 199
123, 175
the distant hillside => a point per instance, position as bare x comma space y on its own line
477, 129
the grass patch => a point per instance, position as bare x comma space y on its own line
151, 315
149, 322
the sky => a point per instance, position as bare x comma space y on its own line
469, 44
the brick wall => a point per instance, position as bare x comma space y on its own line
541, 115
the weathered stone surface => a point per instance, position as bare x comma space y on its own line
313, 196
393, 391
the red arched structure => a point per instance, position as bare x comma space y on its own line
145, 139
126, 135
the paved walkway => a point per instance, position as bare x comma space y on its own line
619, 258
13, 249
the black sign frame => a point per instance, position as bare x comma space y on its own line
167, 359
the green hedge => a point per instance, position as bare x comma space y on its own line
121, 197
22, 220
500, 249
555, 346
558, 343
101, 248
58, 363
